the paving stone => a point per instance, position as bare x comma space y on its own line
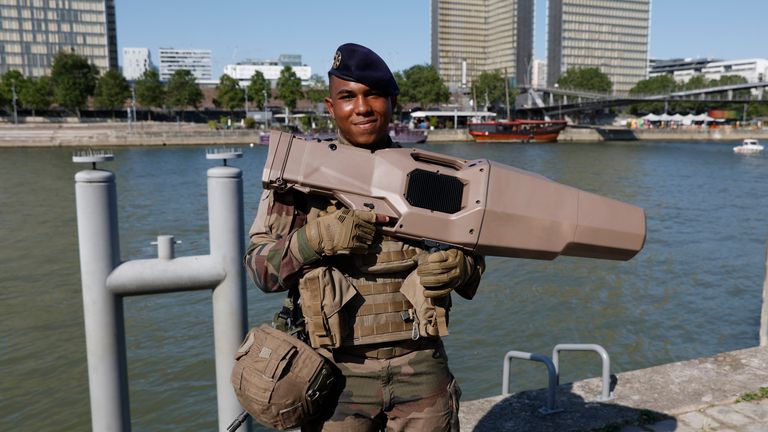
755, 410
698, 420
727, 414
755, 427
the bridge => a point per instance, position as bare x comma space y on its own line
560, 102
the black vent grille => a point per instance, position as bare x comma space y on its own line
433, 191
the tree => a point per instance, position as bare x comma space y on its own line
258, 90
229, 93
421, 84
316, 92
10, 81
662, 84
37, 94
182, 90
73, 79
150, 92
585, 79
111, 91
289, 88
489, 89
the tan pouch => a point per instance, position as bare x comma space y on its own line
324, 291
281, 381
430, 318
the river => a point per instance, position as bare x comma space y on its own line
694, 290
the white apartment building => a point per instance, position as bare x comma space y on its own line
136, 61
611, 35
539, 73
269, 68
197, 61
753, 70
470, 37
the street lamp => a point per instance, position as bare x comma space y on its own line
15, 113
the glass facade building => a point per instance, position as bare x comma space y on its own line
611, 35
473, 36
33, 31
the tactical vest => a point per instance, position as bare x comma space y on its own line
357, 299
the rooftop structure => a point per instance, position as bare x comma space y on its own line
33, 31
197, 61
474, 36
612, 36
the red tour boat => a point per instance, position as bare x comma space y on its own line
517, 130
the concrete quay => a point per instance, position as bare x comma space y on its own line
694, 395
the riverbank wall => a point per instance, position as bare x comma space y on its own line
113, 134
717, 393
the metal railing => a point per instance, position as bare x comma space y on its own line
106, 280
553, 372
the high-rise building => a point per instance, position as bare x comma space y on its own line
609, 35
474, 36
539, 73
136, 61
197, 61
33, 31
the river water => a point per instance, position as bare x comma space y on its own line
694, 290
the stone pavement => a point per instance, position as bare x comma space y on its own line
695, 395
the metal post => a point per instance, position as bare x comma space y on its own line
606, 375
551, 377
15, 112
96, 201
225, 218
764, 310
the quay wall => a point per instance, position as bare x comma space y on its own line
106, 134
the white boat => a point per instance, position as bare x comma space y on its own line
749, 146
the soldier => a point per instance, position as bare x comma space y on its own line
373, 305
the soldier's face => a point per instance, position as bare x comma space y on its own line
362, 114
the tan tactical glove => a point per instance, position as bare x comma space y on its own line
341, 232
442, 271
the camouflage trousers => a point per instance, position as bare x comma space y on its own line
412, 392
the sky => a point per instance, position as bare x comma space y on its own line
399, 30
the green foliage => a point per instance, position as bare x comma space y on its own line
585, 79
182, 90
259, 90
489, 89
421, 84
150, 92
10, 80
249, 123
761, 394
73, 79
111, 91
317, 89
652, 86
229, 94
289, 88
37, 94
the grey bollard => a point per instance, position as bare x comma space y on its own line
96, 204
225, 218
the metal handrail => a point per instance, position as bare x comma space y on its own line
606, 393
551, 373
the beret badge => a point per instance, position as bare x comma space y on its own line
337, 60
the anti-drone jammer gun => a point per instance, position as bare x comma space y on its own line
478, 205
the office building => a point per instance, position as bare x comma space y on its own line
271, 69
136, 61
539, 73
197, 61
474, 36
33, 31
609, 35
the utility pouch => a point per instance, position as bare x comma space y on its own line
281, 381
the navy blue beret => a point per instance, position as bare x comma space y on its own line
359, 64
